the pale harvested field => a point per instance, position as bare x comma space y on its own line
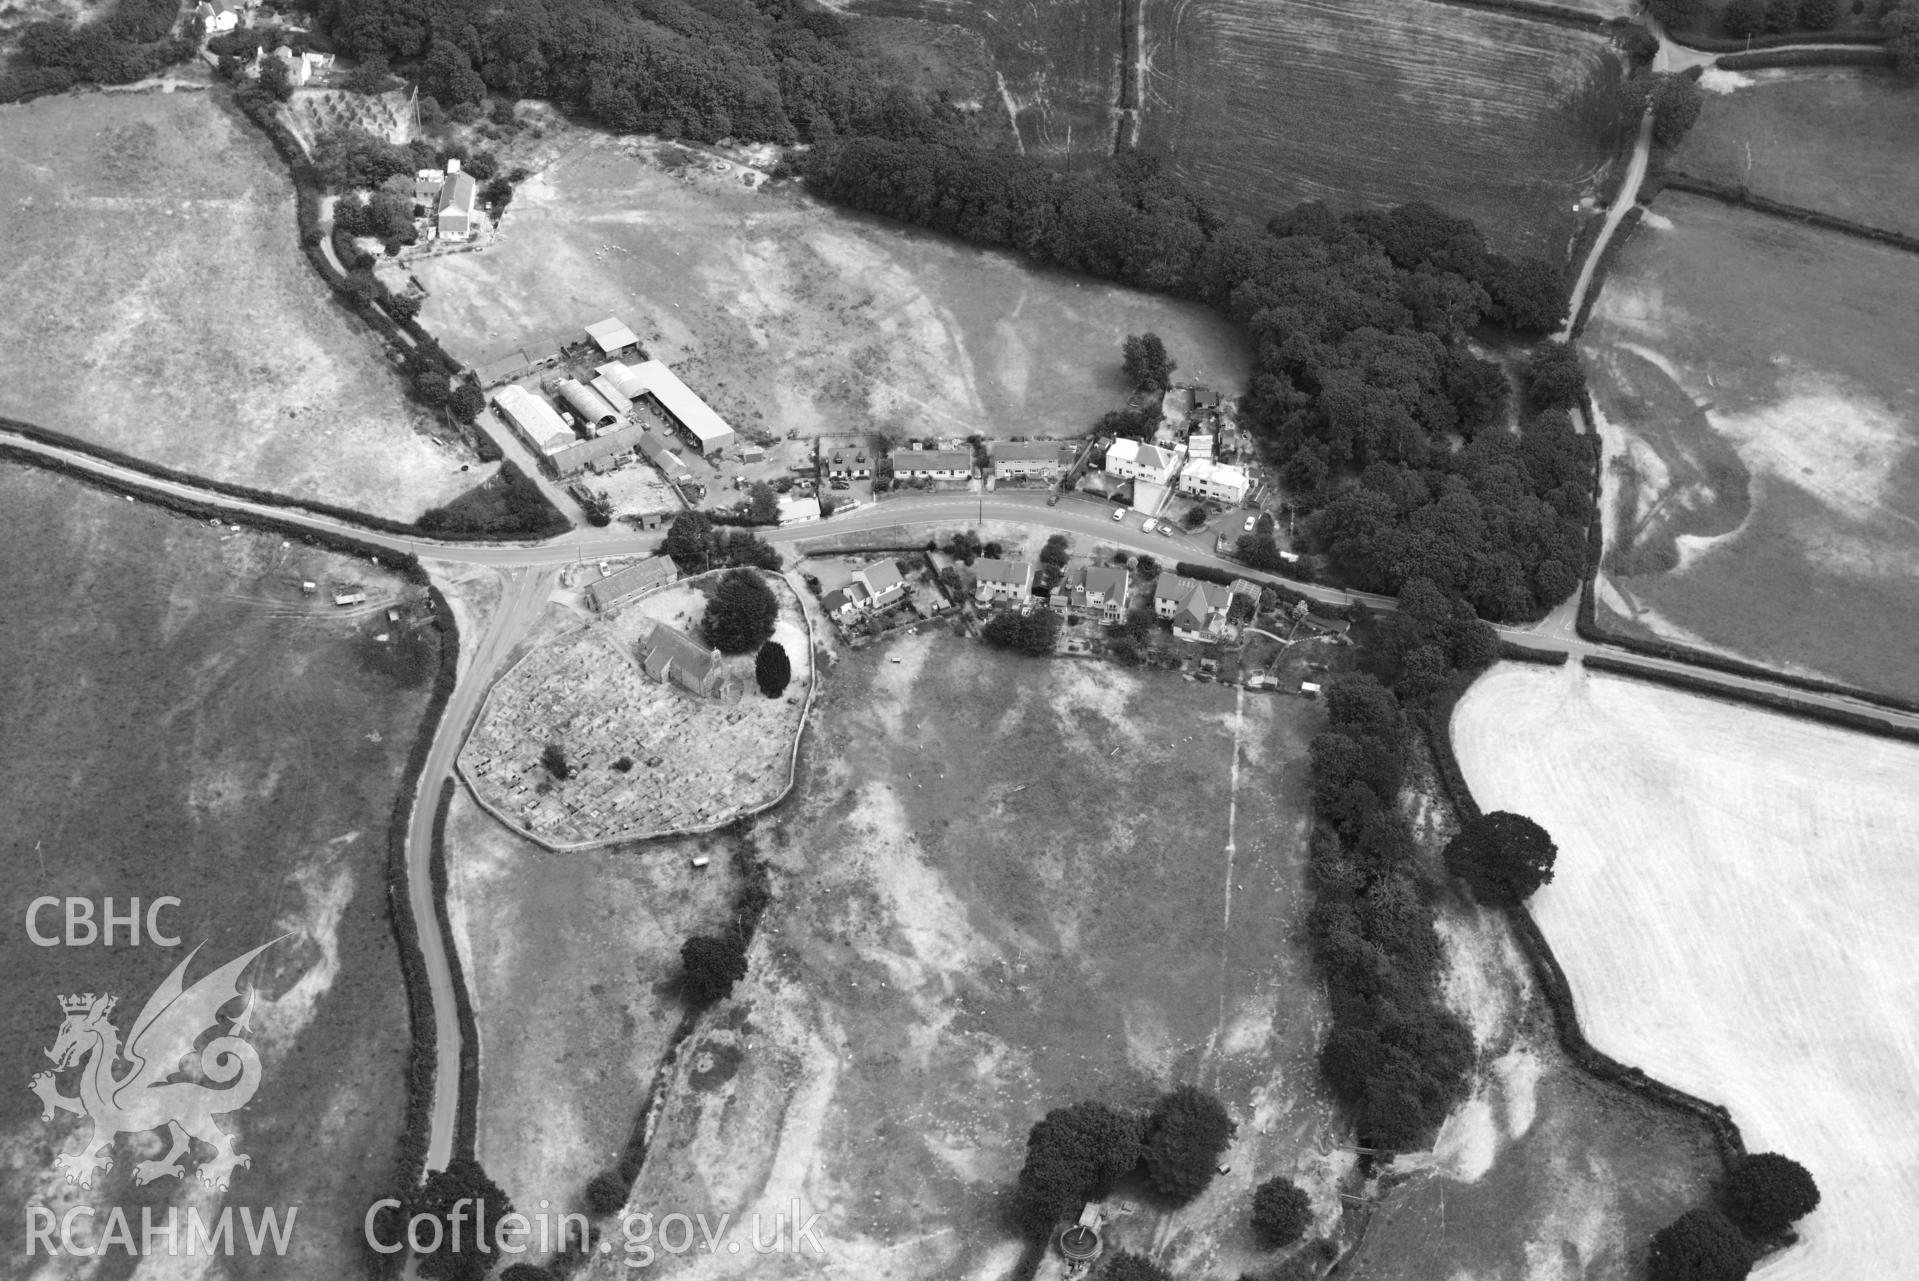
789, 316
1006, 885
1737, 908
1262, 104
1758, 390
1839, 141
159, 304
567, 956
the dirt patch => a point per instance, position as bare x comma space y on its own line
162, 307
1710, 856
791, 317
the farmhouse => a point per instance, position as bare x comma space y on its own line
612, 336
669, 655
591, 407
536, 421
1032, 460
691, 414
1003, 580
1099, 590
598, 454
1135, 460
624, 584
1196, 609
933, 464
846, 457
1221, 482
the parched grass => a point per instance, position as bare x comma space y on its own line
1261, 104
1754, 380
181, 720
159, 303
1838, 141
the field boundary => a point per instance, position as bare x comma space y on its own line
466, 1121
1744, 198
1551, 975
1835, 56
1539, 11
1773, 40
1628, 223
792, 755
1769, 700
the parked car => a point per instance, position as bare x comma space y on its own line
1052, 500
1119, 513
1166, 528
1250, 522
1148, 525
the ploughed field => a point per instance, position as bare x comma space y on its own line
1261, 104
789, 316
1737, 909
1006, 886
1758, 398
184, 722
1835, 140
159, 304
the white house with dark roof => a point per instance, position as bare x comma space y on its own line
1136, 460
1099, 590
1196, 609
997, 580
873, 588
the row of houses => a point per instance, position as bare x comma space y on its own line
857, 457
1175, 467
1196, 609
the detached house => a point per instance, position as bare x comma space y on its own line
454, 214
1136, 460
846, 459
933, 464
1099, 590
876, 587
1003, 580
1196, 609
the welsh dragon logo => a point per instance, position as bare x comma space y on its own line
132, 1089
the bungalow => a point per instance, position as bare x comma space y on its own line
624, 584
1196, 609
669, 655
1003, 580
799, 509
933, 464
1099, 590
1221, 482
1135, 460
1032, 460
1333, 627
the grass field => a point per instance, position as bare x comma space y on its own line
1261, 104
182, 721
1757, 393
1007, 886
790, 316
568, 957
1832, 140
160, 304
1737, 909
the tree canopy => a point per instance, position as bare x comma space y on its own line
1073, 1155
1146, 364
476, 1250
740, 617
1187, 1131
1281, 1213
709, 967
1700, 1245
1766, 1193
773, 669
1502, 856
1033, 633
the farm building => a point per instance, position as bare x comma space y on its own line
684, 407
514, 362
669, 655
657, 450
624, 584
454, 214
536, 421
625, 379
933, 464
1137, 460
1221, 482
591, 407
846, 457
612, 336
601, 453
1032, 460
621, 402
1003, 579
1099, 590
